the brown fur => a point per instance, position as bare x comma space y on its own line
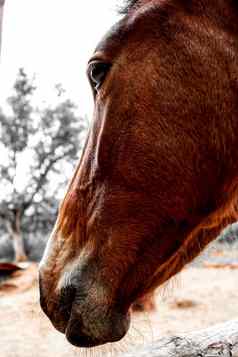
158, 177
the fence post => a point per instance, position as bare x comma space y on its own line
1, 20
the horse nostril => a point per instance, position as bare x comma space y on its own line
66, 300
57, 306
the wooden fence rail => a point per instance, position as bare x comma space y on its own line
218, 341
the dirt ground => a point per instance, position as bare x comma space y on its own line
198, 297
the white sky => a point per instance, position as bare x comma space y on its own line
54, 40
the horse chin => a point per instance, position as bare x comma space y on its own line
96, 331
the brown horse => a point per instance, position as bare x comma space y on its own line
158, 177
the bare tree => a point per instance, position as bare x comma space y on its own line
37, 147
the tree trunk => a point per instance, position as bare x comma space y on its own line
217, 341
14, 230
1, 19
18, 245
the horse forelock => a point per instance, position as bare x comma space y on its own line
127, 6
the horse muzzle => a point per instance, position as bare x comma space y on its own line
84, 314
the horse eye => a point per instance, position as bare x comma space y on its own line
97, 72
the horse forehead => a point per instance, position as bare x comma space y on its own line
132, 22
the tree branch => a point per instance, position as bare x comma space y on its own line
42, 177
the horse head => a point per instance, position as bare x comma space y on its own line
157, 179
